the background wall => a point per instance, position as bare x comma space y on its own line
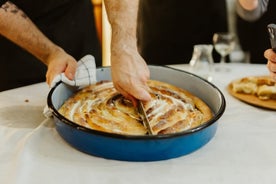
236, 56
106, 37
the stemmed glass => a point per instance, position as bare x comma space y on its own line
224, 44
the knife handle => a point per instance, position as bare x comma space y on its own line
272, 35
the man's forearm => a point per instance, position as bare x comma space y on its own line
129, 71
17, 27
122, 16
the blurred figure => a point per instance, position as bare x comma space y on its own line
252, 10
58, 33
253, 16
165, 30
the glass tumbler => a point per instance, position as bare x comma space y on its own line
202, 61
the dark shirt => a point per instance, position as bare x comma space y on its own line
2, 2
68, 23
168, 29
253, 36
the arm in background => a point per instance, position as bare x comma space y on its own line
18, 28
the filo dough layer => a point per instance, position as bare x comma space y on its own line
101, 107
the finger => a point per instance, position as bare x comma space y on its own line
50, 76
47, 79
271, 66
71, 70
270, 55
141, 93
137, 91
127, 95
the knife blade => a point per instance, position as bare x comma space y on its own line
272, 35
144, 117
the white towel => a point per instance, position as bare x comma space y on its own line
85, 73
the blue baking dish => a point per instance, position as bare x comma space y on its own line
146, 147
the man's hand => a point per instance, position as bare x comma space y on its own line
270, 55
59, 62
130, 74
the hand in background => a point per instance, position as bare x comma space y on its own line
270, 55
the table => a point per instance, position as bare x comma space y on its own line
242, 151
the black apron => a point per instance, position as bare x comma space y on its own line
168, 29
68, 23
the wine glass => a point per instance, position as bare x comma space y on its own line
224, 44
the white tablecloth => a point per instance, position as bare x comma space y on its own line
32, 152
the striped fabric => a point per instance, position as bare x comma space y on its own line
85, 74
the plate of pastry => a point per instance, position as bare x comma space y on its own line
255, 90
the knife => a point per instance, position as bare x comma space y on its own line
144, 117
272, 35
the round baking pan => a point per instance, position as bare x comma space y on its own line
144, 147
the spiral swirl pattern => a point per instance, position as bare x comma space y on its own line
102, 108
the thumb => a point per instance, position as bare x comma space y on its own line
141, 93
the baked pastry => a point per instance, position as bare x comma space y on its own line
101, 107
261, 86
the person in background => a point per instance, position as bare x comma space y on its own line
58, 33
252, 10
157, 32
252, 19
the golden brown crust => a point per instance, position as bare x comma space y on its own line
102, 108
261, 86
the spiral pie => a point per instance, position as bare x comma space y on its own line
101, 107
